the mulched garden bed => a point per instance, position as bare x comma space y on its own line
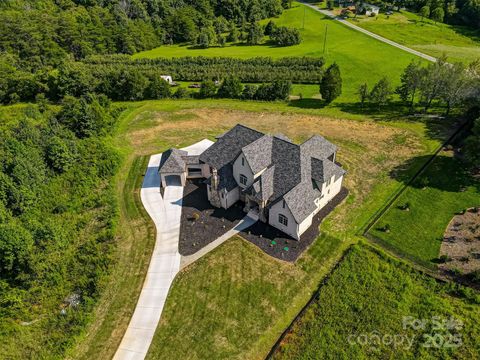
201, 223
281, 246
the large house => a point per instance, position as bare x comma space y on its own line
284, 183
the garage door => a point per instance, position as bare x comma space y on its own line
173, 180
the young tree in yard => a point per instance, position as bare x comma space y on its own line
438, 14
381, 92
455, 86
410, 81
331, 84
363, 93
207, 89
425, 12
433, 81
255, 34
231, 88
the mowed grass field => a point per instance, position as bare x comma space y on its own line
360, 314
460, 44
445, 188
360, 57
236, 301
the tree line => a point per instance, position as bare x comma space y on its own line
121, 78
57, 220
45, 32
439, 83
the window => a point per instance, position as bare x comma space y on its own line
282, 219
243, 161
284, 204
243, 179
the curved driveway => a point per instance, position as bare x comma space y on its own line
165, 263
371, 34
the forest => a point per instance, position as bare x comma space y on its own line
58, 217
46, 32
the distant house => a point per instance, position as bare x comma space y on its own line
285, 184
369, 9
167, 78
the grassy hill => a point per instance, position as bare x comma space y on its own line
360, 57
459, 43
361, 313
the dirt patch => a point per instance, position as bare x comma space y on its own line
460, 248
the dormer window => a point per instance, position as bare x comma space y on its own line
243, 180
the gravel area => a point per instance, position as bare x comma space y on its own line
201, 223
274, 242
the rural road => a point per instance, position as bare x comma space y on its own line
373, 35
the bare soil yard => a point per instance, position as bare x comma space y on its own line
461, 242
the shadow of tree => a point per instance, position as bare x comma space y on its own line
445, 173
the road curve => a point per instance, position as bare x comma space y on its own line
371, 34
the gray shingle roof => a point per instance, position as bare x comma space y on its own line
322, 170
262, 188
229, 145
172, 161
300, 200
290, 167
259, 153
318, 147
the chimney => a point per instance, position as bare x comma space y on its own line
215, 179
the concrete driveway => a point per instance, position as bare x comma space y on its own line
165, 262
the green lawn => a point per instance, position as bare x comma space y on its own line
457, 42
360, 57
360, 314
444, 189
236, 301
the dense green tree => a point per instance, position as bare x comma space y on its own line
233, 33
410, 82
207, 89
206, 37
249, 92
438, 14
87, 116
254, 34
231, 88
269, 28
157, 88
381, 92
16, 245
331, 83
425, 12
284, 36
363, 93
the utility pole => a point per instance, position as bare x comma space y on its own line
304, 10
325, 40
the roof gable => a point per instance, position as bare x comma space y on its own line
172, 161
229, 145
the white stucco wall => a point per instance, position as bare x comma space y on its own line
238, 169
275, 210
230, 198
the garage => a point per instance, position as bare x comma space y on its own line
173, 180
